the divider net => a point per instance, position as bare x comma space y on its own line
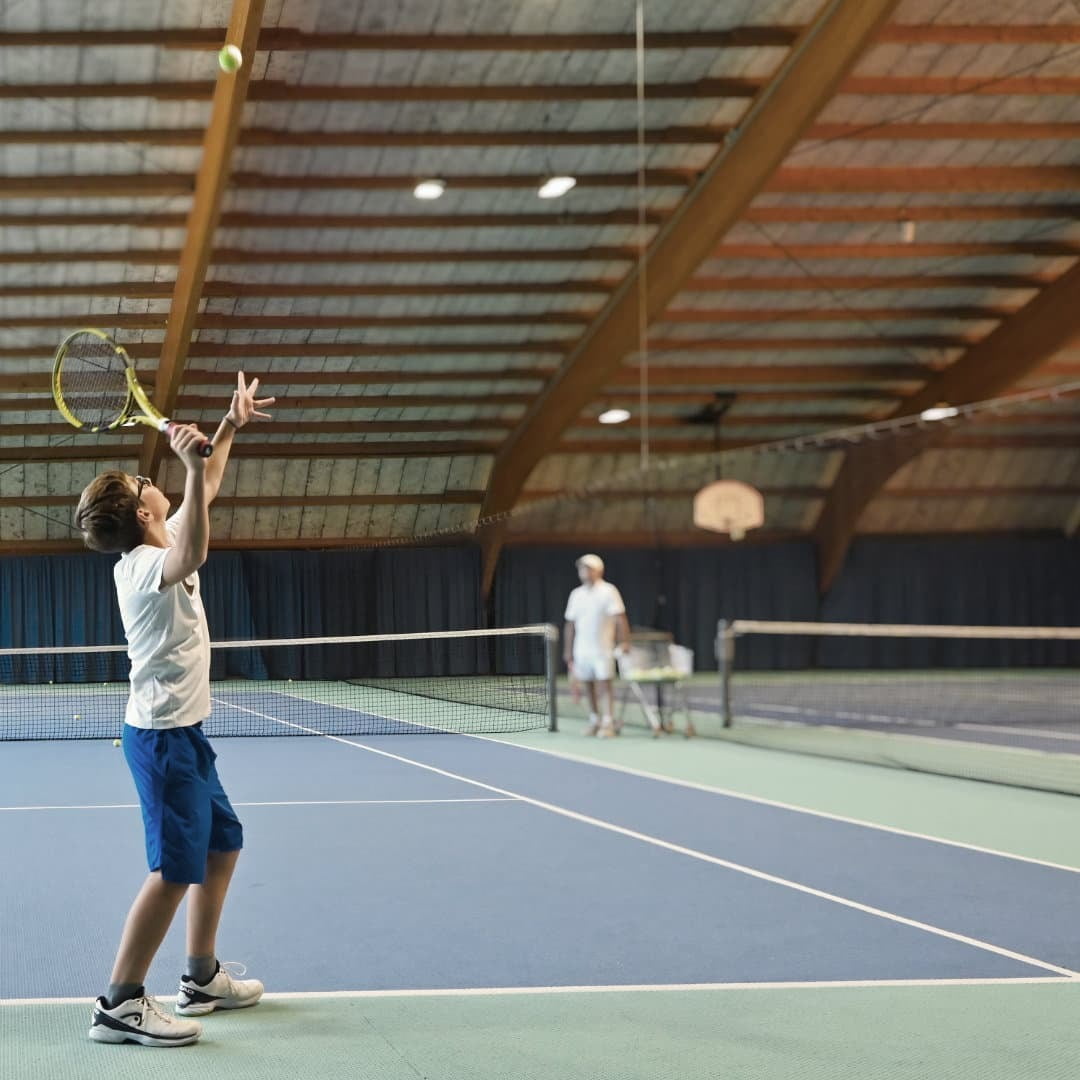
989, 703
467, 682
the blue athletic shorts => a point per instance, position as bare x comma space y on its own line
185, 810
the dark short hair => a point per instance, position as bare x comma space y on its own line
107, 514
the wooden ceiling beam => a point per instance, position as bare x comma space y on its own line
935, 86
1016, 348
920, 179
211, 321
981, 33
125, 450
750, 36
288, 39
974, 179
262, 136
277, 90
119, 450
785, 215
747, 344
239, 502
664, 396
863, 282
467, 498
314, 222
676, 135
721, 378
805, 81
708, 445
231, 91
707, 88
39, 381
188, 402
304, 257
1049, 249
323, 427
151, 290
795, 491
964, 313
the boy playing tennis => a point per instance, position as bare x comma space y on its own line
193, 836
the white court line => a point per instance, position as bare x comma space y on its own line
761, 800
1041, 733
640, 988
701, 856
940, 740
304, 802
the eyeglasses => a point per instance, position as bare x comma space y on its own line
142, 482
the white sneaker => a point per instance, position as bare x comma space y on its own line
226, 990
141, 1020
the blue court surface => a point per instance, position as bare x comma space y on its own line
461, 863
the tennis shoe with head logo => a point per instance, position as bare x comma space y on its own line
226, 990
141, 1020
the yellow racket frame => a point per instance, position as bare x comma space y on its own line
137, 410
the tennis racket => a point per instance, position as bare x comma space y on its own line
96, 389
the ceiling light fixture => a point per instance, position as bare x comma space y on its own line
429, 189
555, 187
614, 416
939, 412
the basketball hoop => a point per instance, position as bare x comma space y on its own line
729, 506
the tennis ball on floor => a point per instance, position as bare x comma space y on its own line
117, 742
230, 58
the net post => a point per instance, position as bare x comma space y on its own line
725, 660
551, 654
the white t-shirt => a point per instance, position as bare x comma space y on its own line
593, 610
168, 640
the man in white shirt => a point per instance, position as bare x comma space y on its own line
193, 836
596, 627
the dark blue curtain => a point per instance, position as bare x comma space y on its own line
974, 580
1034, 580
685, 591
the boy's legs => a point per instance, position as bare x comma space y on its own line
205, 902
144, 930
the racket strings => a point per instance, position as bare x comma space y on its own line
93, 381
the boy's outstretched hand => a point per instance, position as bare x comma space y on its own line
245, 406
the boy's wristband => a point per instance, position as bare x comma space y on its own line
235, 427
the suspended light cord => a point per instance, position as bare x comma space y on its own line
642, 245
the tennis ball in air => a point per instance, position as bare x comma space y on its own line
117, 742
230, 58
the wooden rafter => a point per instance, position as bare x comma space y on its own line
806, 80
750, 36
303, 256
1048, 249
675, 135
864, 282
226, 116
972, 178
707, 88
1016, 348
694, 315
220, 288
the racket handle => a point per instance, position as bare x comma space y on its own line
206, 447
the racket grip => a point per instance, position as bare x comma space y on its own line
206, 447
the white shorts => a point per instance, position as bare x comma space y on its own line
594, 668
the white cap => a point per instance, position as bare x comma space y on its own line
593, 562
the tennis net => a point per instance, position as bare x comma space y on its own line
988, 703
466, 682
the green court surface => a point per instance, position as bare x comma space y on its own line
902, 1033
879, 1031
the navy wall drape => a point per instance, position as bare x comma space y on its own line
1017, 580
